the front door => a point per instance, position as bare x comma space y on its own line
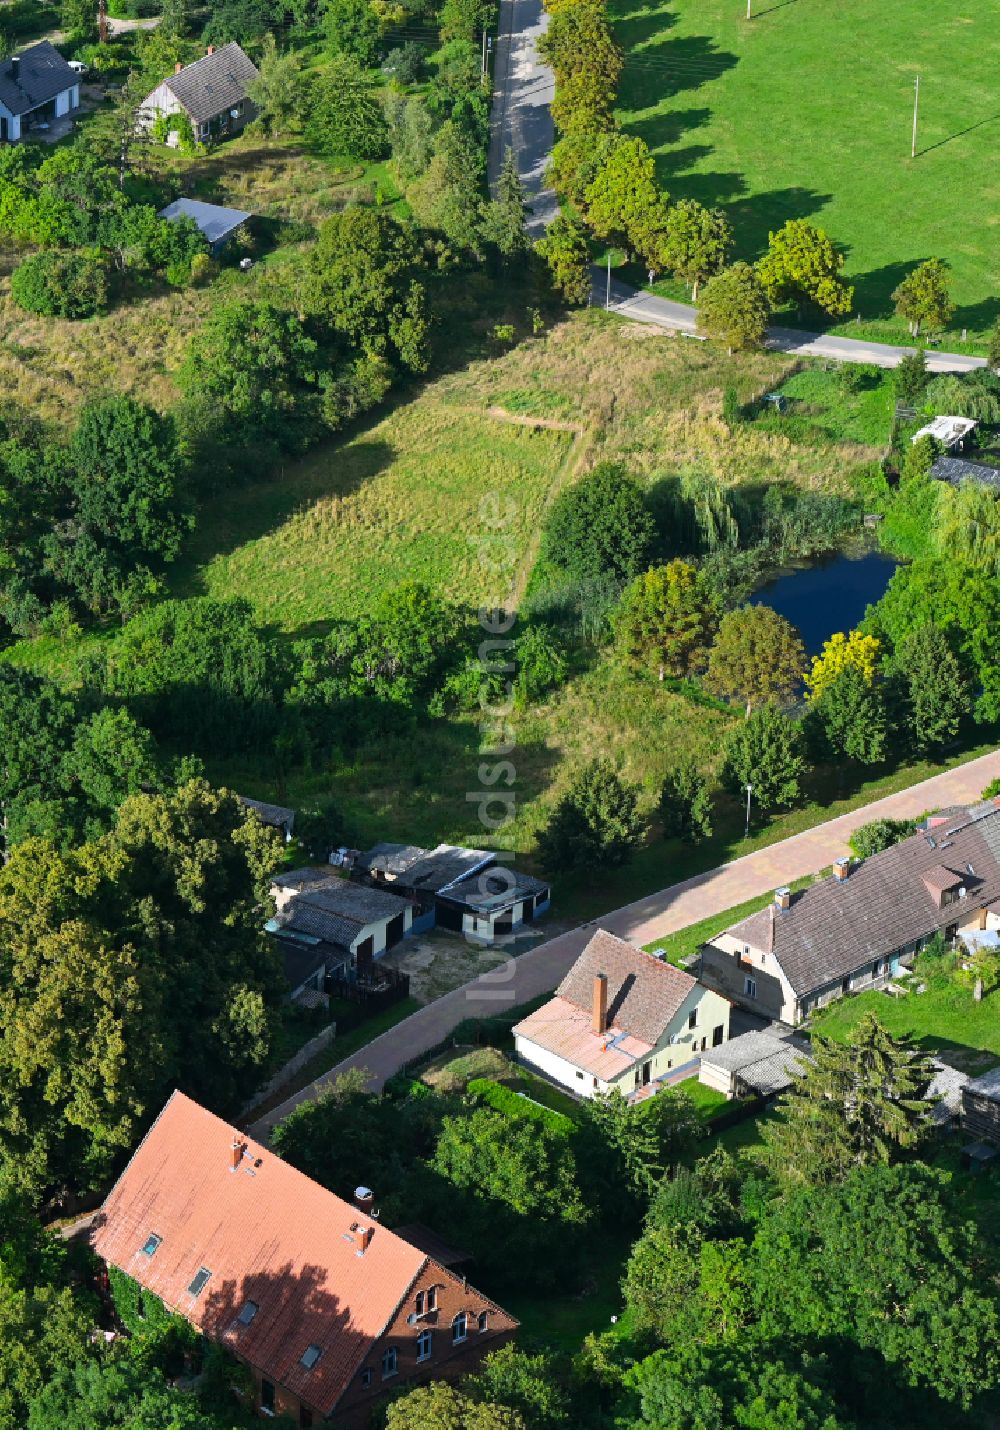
364, 955
646, 1071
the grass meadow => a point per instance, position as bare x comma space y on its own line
805, 111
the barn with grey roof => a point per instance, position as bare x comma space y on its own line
862, 925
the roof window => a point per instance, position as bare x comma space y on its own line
250, 1309
310, 1356
152, 1244
200, 1281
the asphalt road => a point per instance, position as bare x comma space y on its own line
646, 307
520, 119
542, 968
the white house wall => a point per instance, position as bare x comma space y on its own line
558, 1069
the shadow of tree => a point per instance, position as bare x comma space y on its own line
655, 72
661, 130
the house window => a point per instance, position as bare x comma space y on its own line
151, 1245
366, 1378
200, 1281
421, 1302
267, 1397
432, 1299
483, 1321
459, 1328
718, 1034
424, 1344
390, 1362
845, 986
310, 1356
750, 987
693, 1018
579, 1074
951, 933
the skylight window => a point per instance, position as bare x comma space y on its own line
152, 1245
310, 1356
250, 1309
200, 1281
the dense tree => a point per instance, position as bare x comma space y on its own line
696, 242
765, 751
981, 971
252, 367
757, 656
638, 1141
363, 282
504, 216
60, 285
939, 696
439, 1406
883, 1263
855, 651
277, 91
524, 1383
879, 834
447, 196
595, 825
352, 28
411, 130
667, 619
801, 262
852, 717
600, 526
685, 806
911, 377
344, 118
734, 308
464, 19
855, 1103
579, 46
993, 346
623, 202
923, 298
566, 251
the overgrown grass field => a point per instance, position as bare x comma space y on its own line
805, 111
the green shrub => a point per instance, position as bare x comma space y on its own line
61, 285
516, 1104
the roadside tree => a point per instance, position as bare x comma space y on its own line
685, 805
566, 251
595, 825
766, 752
801, 262
923, 298
734, 308
696, 241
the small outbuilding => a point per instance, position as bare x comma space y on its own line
214, 94
216, 224
950, 432
981, 1107
956, 470
757, 1064
275, 816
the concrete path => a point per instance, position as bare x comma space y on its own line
680, 317
660, 914
523, 90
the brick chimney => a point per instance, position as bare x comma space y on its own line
841, 869
600, 1004
178, 67
236, 1153
210, 50
783, 897
364, 1200
365, 1239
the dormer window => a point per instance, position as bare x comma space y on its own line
310, 1356
200, 1281
151, 1245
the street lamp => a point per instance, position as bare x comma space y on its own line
746, 832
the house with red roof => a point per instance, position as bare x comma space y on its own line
621, 1018
327, 1307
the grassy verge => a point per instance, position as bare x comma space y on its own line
686, 942
698, 75
945, 1018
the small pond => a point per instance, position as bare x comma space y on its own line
831, 594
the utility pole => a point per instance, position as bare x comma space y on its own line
749, 13
746, 833
484, 52
916, 108
607, 296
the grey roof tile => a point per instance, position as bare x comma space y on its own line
215, 82
42, 73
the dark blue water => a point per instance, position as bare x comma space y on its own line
830, 595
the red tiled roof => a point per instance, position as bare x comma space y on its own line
560, 1027
269, 1235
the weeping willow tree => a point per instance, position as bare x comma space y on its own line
711, 513
967, 526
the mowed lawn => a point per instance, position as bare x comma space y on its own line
409, 498
944, 1018
805, 111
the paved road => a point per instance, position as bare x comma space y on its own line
648, 308
542, 968
520, 119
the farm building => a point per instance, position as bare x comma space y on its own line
466, 890
621, 1018
326, 1306
36, 87
213, 93
856, 929
355, 923
275, 816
